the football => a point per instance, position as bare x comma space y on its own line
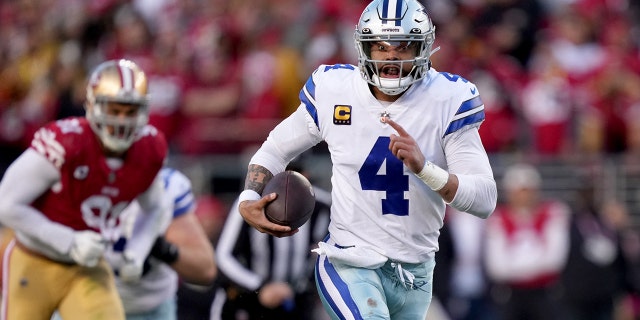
295, 202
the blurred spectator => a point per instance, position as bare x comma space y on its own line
546, 104
468, 287
270, 71
511, 25
595, 276
27, 96
130, 37
212, 94
167, 81
615, 84
527, 242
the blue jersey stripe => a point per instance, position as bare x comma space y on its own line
166, 175
310, 87
182, 210
469, 104
183, 203
470, 119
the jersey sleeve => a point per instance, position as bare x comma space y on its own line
322, 77
157, 148
56, 140
178, 188
469, 110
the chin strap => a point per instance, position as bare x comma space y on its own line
384, 84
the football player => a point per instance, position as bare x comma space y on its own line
64, 197
182, 252
403, 139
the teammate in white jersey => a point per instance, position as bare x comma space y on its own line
404, 143
183, 252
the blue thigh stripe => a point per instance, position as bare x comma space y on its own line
340, 288
307, 97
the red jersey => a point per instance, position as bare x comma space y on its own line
91, 195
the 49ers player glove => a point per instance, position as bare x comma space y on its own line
87, 248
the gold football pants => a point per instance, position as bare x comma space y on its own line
34, 287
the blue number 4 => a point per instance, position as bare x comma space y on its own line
394, 182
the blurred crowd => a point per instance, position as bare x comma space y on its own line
557, 77
221, 72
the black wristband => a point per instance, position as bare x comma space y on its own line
164, 251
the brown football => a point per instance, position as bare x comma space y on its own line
295, 202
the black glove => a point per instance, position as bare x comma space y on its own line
164, 251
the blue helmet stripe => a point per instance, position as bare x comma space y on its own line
385, 11
398, 12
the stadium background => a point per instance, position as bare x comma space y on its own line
560, 79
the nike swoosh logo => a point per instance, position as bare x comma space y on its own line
473, 90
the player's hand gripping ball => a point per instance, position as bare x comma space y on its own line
295, 202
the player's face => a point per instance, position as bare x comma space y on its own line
121, 115
393, 51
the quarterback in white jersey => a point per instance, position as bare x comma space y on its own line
404, 143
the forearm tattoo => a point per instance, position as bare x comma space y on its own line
257, 178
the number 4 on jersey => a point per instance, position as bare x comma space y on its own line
394, 182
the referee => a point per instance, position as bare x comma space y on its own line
265, 277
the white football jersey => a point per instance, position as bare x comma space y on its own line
161, 281
376, 200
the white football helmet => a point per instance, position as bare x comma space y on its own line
117, 81
394, 21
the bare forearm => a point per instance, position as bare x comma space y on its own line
196, 265
257, 178
196, 262
448, 192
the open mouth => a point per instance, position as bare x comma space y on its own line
390, 71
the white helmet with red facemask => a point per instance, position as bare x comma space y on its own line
122, 82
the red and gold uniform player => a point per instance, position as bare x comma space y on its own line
64, 195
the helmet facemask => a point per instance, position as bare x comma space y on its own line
117, 133
117, 104
412, 27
